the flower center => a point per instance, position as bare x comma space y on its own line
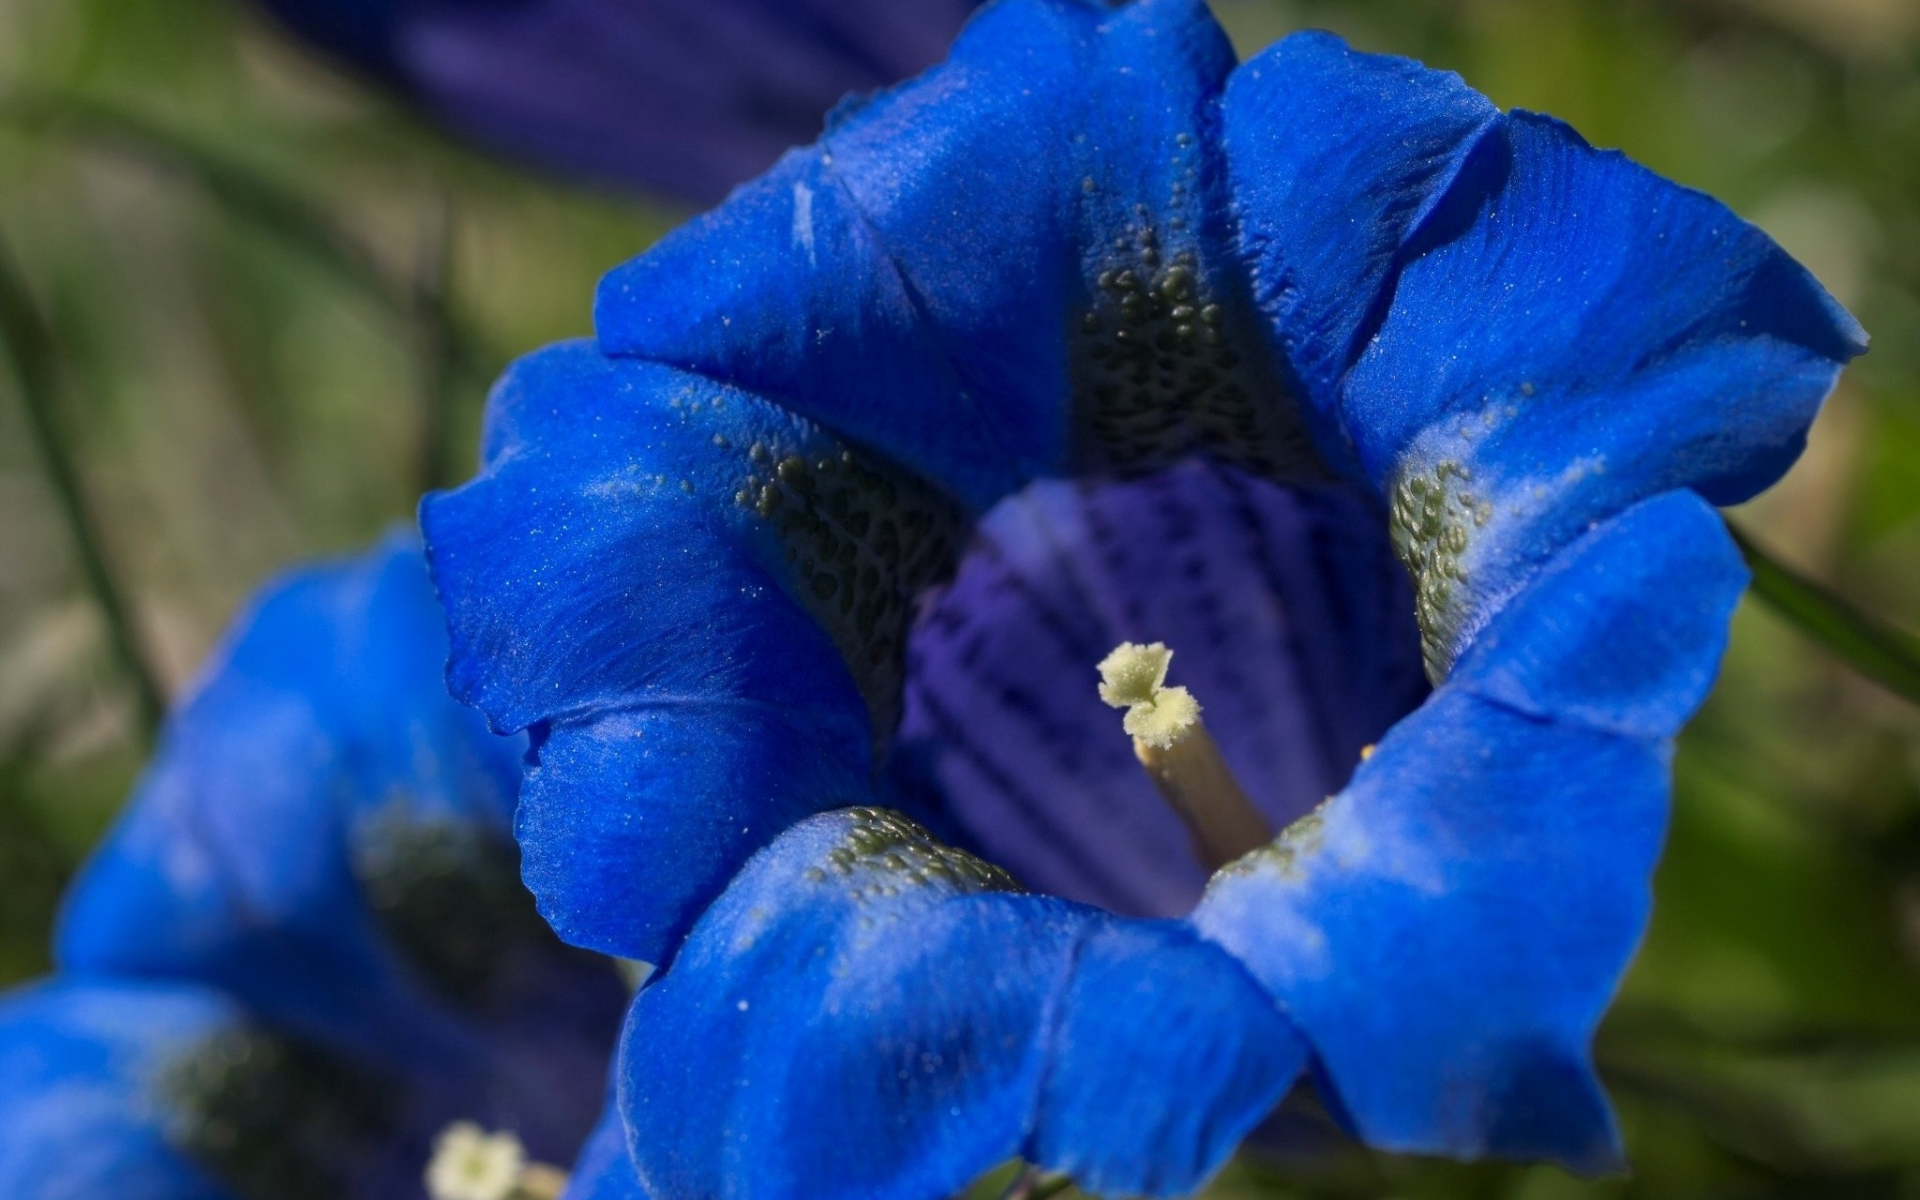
1295, 626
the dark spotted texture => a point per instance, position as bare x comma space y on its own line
1163, 366
274, 1119
863, 539
885, 852
449, 898
1433, 519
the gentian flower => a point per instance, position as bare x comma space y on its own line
684, 97
1396, 419
304, 949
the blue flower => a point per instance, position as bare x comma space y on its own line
685, 97
304, 948
1399, 419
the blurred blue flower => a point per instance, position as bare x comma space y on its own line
1398, 417
305, 949
684, 97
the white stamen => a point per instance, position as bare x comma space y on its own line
471, 1164
1179, 755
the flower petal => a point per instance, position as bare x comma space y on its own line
1448, 933
1624, 629
910, 281
1165, 1054
1337, 158
604, 1170
633, 821
1448, 930
1548, 334
859, 967
151, 1091
699, 581
318, 740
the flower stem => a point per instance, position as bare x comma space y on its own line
29, 343
1874, 649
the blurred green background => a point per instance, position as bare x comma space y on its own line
273, 301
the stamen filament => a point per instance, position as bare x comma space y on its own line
1180, 756
541, 1181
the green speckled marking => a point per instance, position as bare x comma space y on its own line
1282, 855
1166, 365
1434, 514
885, 853
862, 539
449, 898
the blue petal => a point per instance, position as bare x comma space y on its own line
859, 968
325, 835
674, 96
1531, 335
604, 1170
1286, 610
80, 1066
1448, 930
321, 724
701, 622
1164, 1057
1337, 158
911, 280
1623, 630
634, 821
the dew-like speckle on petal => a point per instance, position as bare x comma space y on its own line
885, 853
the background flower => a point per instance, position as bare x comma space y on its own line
305, 948
683, 97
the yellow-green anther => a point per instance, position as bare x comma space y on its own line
1134, 677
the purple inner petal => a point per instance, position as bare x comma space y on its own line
1289, 618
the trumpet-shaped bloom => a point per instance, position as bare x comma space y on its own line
304, 948
683, 97
1398, 418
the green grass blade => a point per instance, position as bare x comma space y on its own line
1871, 647
29, 345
